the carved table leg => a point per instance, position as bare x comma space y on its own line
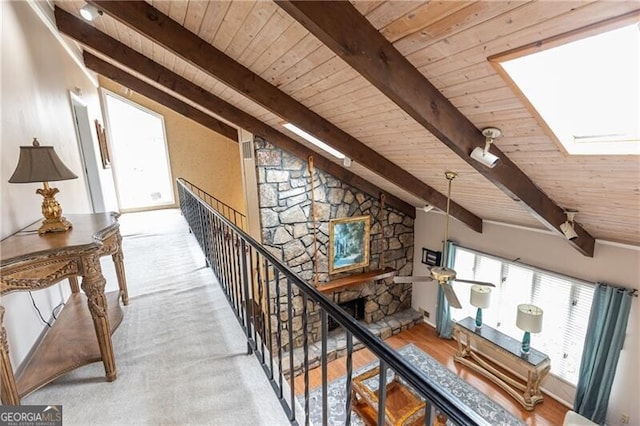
118, 260
464, 343
93, 283
73, 283
7, 384
459, 342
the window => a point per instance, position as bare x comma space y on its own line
142, 172
586, 91
566, 303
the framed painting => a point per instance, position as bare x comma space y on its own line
348, 243
102, 145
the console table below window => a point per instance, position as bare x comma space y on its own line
484, 349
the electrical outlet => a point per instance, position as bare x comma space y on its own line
624, 419
424, 312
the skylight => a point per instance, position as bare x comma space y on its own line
587, 91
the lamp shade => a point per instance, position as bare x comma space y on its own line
529, 318
40, 164
480, 296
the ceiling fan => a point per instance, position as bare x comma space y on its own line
441, 274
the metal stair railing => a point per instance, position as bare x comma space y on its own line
237, 218
250, 275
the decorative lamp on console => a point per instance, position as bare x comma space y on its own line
529, 319
41, 164
480, 298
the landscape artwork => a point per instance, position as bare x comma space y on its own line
348, 243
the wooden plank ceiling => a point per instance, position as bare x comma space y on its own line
448, 42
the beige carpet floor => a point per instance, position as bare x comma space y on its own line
180, 353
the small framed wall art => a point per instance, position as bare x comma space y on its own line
102, 144
430, 257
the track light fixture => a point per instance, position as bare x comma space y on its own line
567, 227
89, 12
483, 155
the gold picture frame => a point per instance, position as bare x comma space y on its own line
349, 243
102, 144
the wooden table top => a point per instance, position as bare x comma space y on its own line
509, 344
88, 230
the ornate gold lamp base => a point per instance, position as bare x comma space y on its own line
52, 212
57, 225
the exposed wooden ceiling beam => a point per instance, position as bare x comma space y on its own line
345, 31
118, 75
105, 45
153, 24
182, 108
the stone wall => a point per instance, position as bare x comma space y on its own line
288, 232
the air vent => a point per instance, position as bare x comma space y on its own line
247, 150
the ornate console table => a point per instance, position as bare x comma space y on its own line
481, 348
30, 262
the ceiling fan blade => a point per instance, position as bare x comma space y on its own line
410, 279
458, 280
451, 296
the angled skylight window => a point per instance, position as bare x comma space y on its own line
587, 91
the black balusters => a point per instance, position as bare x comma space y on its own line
382, 392
232, 255
305, 349
349, 375
324, 331
245, 280
290, 333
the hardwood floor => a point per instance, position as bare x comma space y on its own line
549, 413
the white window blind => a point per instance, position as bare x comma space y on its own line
566, 303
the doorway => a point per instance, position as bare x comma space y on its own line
140, 159
90, 170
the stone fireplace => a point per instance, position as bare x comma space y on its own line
284, 187
355, 309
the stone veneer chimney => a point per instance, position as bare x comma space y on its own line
284, 188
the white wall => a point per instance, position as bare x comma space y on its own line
610, 264
37, 75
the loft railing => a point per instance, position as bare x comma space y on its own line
226, 210
250, 275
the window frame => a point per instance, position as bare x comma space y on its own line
573, 312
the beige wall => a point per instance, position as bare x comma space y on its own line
612, 264
37, 75
196, 153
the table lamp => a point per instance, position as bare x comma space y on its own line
41, 164
529, 319
480, 298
